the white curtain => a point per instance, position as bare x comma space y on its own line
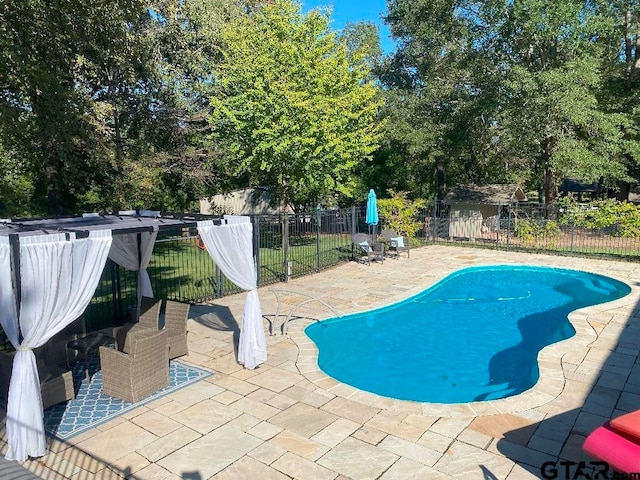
231, 247
58, 280
8, 317
124, 251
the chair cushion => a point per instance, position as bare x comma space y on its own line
615, 448
366, 247
628, 423
399, 241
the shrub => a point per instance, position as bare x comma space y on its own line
400, 214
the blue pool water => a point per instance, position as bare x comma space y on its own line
473, 336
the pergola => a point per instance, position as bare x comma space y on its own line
49, 271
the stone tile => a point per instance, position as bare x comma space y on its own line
466, 461
227, 397
206, 415
588, 422
257, 409
301, 468
511, 427
235, 385
303, 419
112, 445
244, 422
573, 449
351, 410
247, 467
407, 449
628, 402
315, 398
168, 444
210, 454
356, 459
299, 445
336, 432
130, 464
406, 469
265, 430
196, 393
267, 453
369, 435
276, 379
525, 472
156, 423
520, 454
474, 438
435, 441
451, 426
153, 472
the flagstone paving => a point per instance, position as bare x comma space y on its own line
287, 419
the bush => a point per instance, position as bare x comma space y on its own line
622, 218
400, 214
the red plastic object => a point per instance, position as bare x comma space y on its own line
628, 423
619, 449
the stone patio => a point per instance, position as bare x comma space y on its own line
287, 419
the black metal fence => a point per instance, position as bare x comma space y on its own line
292, 245
529, 226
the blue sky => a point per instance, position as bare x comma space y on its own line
345, 11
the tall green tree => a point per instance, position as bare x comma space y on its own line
513, 89
293, 104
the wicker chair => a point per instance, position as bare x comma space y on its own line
368, 250
137, 375
147, 319
56, 384
396, 244
175, 322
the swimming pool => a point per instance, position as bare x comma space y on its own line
473, 336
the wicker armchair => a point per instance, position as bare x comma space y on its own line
396, 244
56, 384
147, 319
137, 375
368, 250
175, 322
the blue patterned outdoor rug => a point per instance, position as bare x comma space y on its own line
91, 407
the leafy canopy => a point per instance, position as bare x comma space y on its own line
293, 104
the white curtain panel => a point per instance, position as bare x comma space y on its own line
8, 316
231, 248
58, 280
124, 251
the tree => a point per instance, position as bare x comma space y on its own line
292, 104
497, 79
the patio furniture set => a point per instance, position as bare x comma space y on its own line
391, 245
134, 358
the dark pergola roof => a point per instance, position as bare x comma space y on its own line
117, 223
492, 194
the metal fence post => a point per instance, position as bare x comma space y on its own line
256, 246
285, 247
219, 289
318, 226
353, 230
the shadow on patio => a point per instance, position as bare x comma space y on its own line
601, 382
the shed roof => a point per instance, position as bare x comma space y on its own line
492, 194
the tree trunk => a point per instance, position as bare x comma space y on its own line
628, 47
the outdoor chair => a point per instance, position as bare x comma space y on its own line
148, 318
396, 244
175, 322
617, 443
369, 251
136, 375
56, 384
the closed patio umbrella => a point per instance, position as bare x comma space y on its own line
372, 213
